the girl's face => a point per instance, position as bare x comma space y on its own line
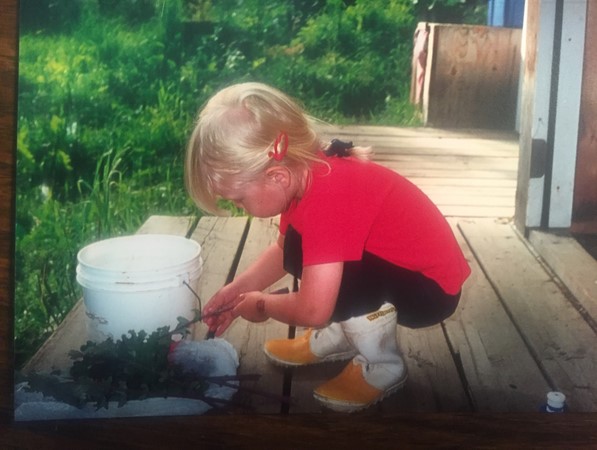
267, 196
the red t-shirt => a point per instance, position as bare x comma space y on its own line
354, 206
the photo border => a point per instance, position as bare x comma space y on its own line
372, 429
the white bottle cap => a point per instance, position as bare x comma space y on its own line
556, 400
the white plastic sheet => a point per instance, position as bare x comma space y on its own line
209, 358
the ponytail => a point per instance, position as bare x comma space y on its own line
341, 149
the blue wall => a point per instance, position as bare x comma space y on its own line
505, 13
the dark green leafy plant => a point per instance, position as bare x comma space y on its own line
134, 367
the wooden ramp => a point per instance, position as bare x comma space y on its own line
467, 173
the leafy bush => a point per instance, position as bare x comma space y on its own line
348, 61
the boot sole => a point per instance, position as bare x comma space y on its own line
333, 357
348, 407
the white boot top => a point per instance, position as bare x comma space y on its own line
374, 335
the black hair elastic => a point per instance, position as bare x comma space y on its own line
339, 148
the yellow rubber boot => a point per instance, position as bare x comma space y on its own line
313, 347
377, 371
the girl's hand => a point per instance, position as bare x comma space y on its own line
225, 299
263, 272
251, 307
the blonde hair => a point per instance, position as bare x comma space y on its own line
234, 135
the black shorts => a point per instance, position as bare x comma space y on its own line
368, 283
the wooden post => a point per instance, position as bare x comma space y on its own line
550, 113
584, 209
536, 88
569, 84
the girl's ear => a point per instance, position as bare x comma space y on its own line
280, 175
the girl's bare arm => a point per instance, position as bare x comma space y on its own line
312, 306
263, 272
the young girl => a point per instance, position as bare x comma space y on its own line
371, 250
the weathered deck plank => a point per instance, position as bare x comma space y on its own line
178, 226
53, 354
415, 132
448, 165
248, 338
572, 264
499, 371
434, 383
437, 146
557, 335
458, 163
220, 240
464, 182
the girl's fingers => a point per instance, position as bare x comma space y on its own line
222, 327
220, 323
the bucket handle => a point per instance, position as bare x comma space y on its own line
186, 283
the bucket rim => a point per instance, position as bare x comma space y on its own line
196, 254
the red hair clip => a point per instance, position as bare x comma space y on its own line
280, 147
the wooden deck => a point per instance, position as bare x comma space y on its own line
525, 325
466, 173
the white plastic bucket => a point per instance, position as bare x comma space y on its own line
138, 282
